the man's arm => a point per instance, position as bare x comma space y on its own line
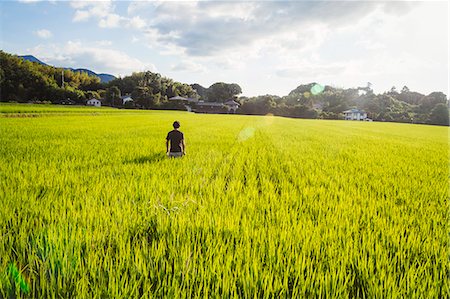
167, 146
183, 147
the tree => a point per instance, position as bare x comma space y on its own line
405, 89
408, 96
201, 91
222, 92
92, 95
29, 81
439, 115
113, 96
430, 101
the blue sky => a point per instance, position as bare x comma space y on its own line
267, 47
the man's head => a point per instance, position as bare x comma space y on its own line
176, 124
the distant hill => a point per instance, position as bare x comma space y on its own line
32, 59
104, 78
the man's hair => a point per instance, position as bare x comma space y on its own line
176, 124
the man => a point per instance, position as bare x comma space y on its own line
176, 140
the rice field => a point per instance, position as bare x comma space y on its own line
260, 207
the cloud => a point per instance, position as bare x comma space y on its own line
102, 10
81, 15
91, 3
209, 28
44, 33
340, 41
105, 13
311, 71
97, 58
188, 66
138, 6
134, 39
110, 21
137, 22
35, 1
104, 43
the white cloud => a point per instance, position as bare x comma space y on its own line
37, 1
81, 15
44, 33
103, 10
134, 39
138, 5
91, 3
210, 28
346, 43
188, 66
110, 21
137, 22
104, 43
98, 58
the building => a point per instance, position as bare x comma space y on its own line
194, 105
355, 114
94, 102
231, 106
181, 102
67, 102
126, 99
209, 107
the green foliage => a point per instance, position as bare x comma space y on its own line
112, 96
407, 106
222, 92
200, 90
25, 81
260, 207
151, 90
259, 105
439, 115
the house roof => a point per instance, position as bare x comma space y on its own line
178, 98
231, 103
354, 111
210, 104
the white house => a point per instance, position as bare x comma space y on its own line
355, 114
94, 102
126, 99
187, 102
232, 106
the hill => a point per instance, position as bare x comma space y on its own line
32, 59
30, 80
104, 78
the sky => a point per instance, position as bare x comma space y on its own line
267, 47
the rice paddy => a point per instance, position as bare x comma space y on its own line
260, 206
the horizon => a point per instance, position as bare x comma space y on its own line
265, 47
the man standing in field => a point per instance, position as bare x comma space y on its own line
175, 138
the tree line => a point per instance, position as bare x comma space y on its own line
326, 102
25, 81
395, 106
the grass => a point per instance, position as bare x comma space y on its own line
260, 207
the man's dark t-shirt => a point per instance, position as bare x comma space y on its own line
175, 138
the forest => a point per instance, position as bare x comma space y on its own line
24, 81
